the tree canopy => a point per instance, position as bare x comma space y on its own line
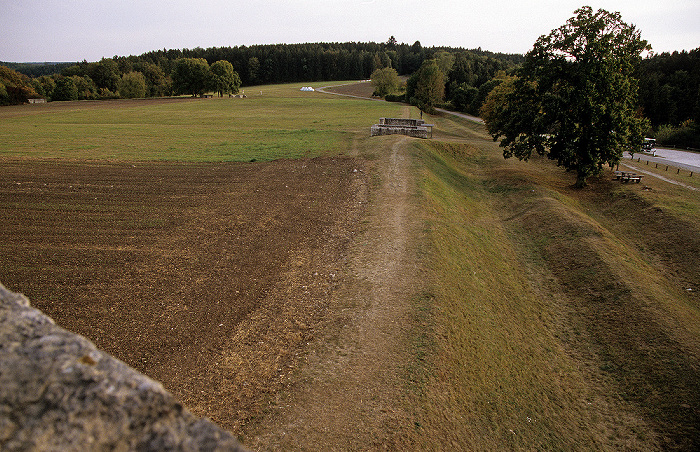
191, 76
65, 89
14, 87
575, 96
385, 81
426, 88
225, 79
132, 84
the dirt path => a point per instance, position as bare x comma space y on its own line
357, 90
351, 392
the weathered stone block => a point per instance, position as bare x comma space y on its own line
59, 392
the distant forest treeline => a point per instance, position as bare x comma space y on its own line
288, 63
669, 83
466, 72
669, 87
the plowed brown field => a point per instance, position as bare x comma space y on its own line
210, 278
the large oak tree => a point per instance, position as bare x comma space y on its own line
575, 95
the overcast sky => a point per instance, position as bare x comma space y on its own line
76, 30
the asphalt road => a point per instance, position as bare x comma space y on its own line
680, 159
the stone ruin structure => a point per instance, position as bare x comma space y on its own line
412, 127
59, 392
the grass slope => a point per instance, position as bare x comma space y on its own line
556, 327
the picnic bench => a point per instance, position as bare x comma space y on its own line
627, 176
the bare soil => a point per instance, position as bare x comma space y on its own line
265, 296
279, 299
360, 89
351, 393
210, 278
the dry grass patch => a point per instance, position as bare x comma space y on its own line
500, 378
624, 314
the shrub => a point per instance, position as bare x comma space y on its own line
131, 85
395, 98
686, 135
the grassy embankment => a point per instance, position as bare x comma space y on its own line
562, 319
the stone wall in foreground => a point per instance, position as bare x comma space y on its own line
59, 392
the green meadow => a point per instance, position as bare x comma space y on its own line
272, 122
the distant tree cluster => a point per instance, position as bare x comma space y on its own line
253, 65
107, 79
15, 88
35, 70
458, 80
104, 79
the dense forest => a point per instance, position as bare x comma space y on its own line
259, 65
466, 74
669, 83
